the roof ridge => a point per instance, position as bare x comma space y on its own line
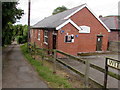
59, 14
78, 6
70, 9
115, 20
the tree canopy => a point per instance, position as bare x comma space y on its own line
10, 14
59, 9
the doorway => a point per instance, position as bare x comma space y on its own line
99, 43
54, 41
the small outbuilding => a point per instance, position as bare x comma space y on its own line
113, 23
72, 31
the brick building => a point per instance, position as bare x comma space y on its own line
113, 23
72, 31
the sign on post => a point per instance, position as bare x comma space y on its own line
113, 63
110, 63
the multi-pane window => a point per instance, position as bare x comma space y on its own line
69, 38
39, 35
46, 37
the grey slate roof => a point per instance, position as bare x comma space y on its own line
112, 22
55, 20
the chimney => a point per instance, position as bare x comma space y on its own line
100, 16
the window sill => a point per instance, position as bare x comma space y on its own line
69, 42
39, 39
45, 43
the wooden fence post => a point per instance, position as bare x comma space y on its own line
42, 60
87, 73
34, 50
30, 49
106, 73
54, 68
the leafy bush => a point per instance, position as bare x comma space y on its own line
21, 39
24, 39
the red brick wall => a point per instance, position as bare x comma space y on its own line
85, 42
71, 48
40, 43
113, 36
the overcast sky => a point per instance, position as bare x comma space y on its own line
44, 8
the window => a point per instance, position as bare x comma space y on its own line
46, 37
31, 33
84, 29
69, 38
39, 35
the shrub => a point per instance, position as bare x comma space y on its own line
21, 39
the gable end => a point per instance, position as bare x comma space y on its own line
85, 6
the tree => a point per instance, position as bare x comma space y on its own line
59, 9
7, 33
20, 33
10, 13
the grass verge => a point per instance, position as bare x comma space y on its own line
52, 80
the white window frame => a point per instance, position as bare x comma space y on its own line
31, 32
39, 35
72, 41
84, 29
46, 37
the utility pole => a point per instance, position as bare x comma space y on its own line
29, 6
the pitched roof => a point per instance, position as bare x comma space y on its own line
61, 19
112, 22
55, 20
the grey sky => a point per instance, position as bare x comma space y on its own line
44, 8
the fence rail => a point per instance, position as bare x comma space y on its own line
114, 75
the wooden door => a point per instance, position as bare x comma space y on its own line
54, 41
99, 43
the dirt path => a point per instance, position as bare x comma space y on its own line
17, 72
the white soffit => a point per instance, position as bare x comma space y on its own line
66, 22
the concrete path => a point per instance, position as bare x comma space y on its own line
17, 72
98, 76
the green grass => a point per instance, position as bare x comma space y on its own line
46, 73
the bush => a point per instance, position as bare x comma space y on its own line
24, 39
21, 39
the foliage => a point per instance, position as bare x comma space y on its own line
59, 9
21, 39
20, 30
46, 73
10, 14
7, 34
20, 33
16, 31
42, 53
